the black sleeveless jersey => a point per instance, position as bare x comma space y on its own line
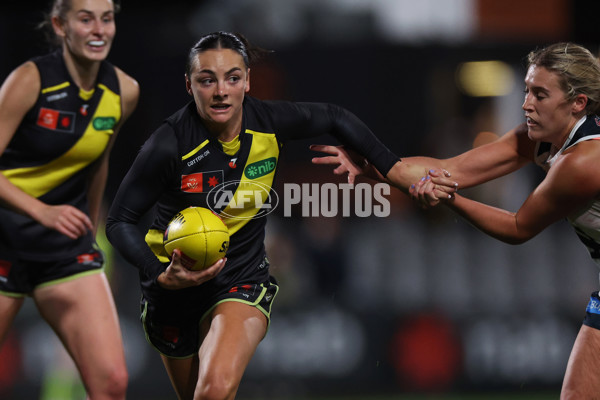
52, 151
182, 165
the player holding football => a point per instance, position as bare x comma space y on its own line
562, 102
207, 324
59, 116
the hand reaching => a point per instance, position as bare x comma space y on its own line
176, 276
433, 189
346, 160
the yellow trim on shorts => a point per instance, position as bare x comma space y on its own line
249, 303
70, 278
13, 294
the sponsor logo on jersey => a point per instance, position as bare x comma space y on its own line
232, 163
62, 121
201, 182
597, 119
198, 158
57, 96
260, 168
104, 123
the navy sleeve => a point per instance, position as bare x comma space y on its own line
305, 120
147, 179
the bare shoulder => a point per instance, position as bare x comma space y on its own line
20, 91
578, 167
23, 81
130, 92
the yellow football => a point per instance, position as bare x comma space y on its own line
200, 235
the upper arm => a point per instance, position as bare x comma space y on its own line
152, 171
18, 95
571, 184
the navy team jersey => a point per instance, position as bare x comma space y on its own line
52, 152
181, 163
586, 221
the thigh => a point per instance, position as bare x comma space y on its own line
232, 334
83, 314
581, 378
183, 374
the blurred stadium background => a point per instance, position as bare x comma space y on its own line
417, 305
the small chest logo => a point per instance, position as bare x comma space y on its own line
201, 182
104, 123
260, 168
55, 120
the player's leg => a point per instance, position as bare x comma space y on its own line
9, 307
234, 331
581, 378
83, 314
183, 374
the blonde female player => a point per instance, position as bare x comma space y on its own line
562, 102
59, 116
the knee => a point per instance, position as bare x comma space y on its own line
117, 383
111, 384
216, 388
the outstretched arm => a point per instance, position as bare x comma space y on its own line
471, 168
570, 185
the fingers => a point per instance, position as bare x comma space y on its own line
177, 276
67, 220
323, 148
325, 160
429, 191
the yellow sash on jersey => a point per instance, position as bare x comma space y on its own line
264, 147
39, 180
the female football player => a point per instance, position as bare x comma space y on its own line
562, 101
59, 116
222, 145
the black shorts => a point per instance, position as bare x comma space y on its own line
592, 312
179, 337
19, 277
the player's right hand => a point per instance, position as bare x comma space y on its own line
176, 276
66, 219
433, 188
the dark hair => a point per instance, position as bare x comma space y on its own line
225, 40
60, 8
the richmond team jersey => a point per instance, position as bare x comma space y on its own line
181, 163
52, 151
586, 221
